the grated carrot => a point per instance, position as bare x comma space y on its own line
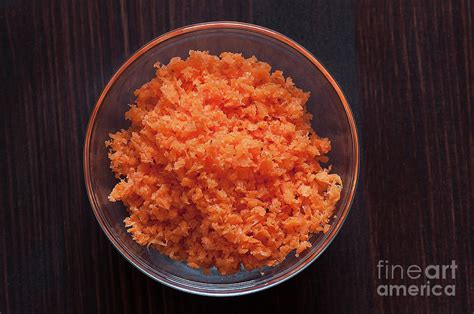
220, 166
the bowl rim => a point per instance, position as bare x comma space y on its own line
327, 240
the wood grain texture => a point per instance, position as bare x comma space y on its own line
406, 69
415, 70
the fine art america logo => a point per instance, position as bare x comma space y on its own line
431, 280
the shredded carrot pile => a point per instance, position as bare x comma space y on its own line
220, 166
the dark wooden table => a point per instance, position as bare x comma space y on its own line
407, 69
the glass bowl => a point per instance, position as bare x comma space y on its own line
332, 118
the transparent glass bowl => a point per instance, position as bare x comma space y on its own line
332, 118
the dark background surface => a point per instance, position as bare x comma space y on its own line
406, 68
